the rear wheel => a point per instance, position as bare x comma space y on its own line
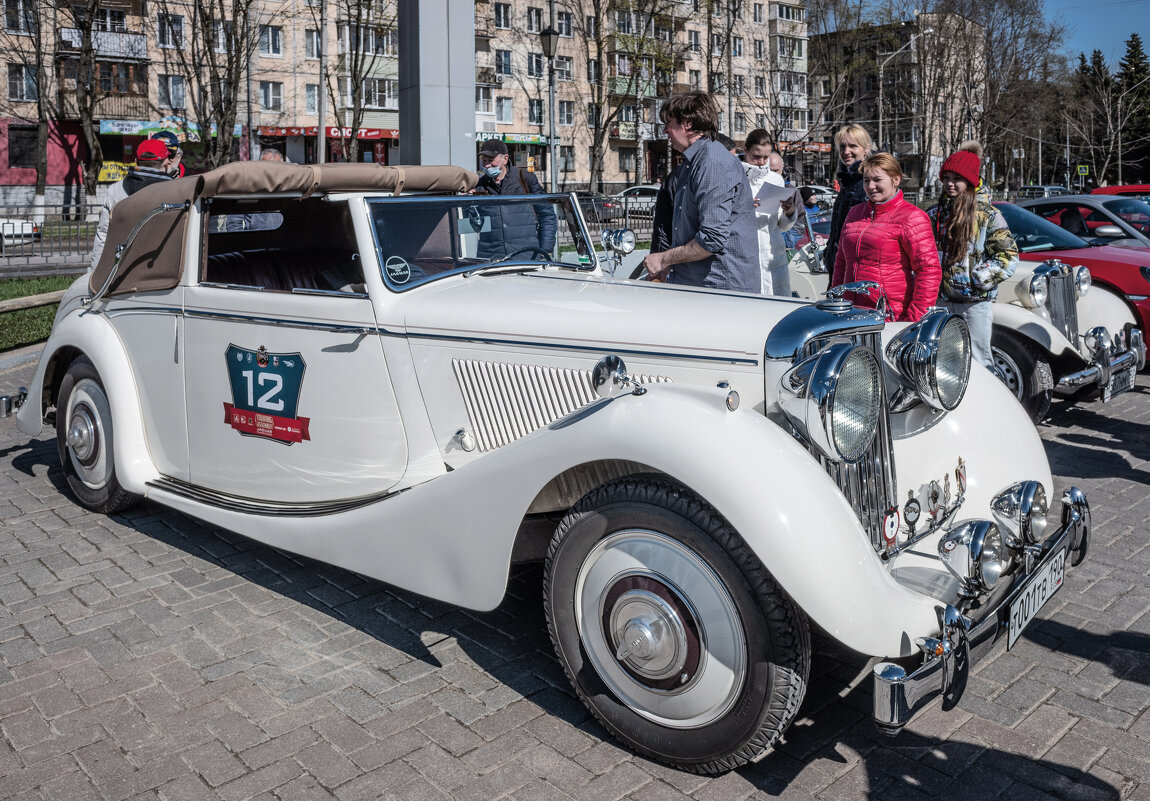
84, 438
670, 629
1025, 370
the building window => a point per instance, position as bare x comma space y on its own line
758, 12
592, 27
796, 13
717, 82
567, 158
504, 110
170, 30
483, 99
311, 98
593, 71
503, 15
740, 122
121, 78
760, 86
370, 39
271, 96
790, 47
172, 91
534, 65
627, 159
311, 44
760, 120
622, 64
534, 112
695, 79
22, 82
221, 36
693, 41
737, 46
19, 15
564, 22
760, 49
271, 40
623, 22
716, 44
738, 82
562, 68
534, 19
502, 62
566, 112
110, 20
22, 145
594, 120
380, 93
628, 113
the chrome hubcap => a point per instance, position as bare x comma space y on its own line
82, 436
89, 433
650, 638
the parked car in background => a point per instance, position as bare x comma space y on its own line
597, 207
424, 389
824, 195
1132, 190
1100, 219
638, 201
1072, 318
1044, 190
17, 232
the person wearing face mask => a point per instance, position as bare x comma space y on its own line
773, 270
889, 240
513, 227
853, 144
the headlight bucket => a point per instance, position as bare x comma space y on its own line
834, 399
1082, 281
975, 554
1039, 290
1020, 510
932, 357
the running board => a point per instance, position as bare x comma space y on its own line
235, 503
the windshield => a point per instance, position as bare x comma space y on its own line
1133, 212
422, 239
1032, 233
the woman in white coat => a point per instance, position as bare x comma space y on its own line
776, 277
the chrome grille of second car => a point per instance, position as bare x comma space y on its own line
868, 484
1062, 304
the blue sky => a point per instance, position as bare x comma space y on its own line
1102, 25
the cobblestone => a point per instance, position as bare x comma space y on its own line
149, 656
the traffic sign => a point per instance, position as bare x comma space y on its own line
1083, 169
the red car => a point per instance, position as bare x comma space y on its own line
1124, 271
1137, 190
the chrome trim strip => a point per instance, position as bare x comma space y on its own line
250, 506
276, 321
596, 347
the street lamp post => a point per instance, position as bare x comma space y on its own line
549, 38
882, 67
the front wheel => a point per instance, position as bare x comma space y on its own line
84, 440
1025, 370
670, 629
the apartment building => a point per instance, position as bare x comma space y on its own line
163, 65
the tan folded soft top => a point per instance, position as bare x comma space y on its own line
155, 260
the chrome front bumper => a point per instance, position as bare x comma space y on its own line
10, 403
962, 640
1110, 356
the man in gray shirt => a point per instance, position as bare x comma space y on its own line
714, 240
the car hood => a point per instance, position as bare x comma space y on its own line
1101, 255
596, 313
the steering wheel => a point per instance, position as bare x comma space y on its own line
530, 249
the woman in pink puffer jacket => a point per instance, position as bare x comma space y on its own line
889, 240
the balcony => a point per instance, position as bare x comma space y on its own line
633, 131
109, 107
632, 86
485, 76
107, 44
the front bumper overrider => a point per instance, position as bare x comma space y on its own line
1109, 356
964, 640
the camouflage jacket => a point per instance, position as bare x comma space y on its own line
991, 256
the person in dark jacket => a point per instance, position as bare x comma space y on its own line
153, 164
513, 227
853, 144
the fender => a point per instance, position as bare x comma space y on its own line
1103, 306
1029, 324
91, 334
766, 485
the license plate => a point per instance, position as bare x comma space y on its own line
1038, 591
1119, 383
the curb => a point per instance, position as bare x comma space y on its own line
12, 359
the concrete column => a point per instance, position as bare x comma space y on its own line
437, 82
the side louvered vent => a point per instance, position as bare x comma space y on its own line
507, 401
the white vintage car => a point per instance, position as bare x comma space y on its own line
1056, 331
421, 385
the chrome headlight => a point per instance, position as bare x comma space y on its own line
618, 240
834, 399
1082, 281
1021, 511
932, 357
975, 554
1039, 289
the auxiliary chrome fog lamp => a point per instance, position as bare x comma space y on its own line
975, 553
1021, 512
619, 240
932, 359
834, 398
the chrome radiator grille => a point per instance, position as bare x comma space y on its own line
508, 401
868, 485
1062, 304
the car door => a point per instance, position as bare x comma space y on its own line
289, 398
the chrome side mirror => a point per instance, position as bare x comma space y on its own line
610, 378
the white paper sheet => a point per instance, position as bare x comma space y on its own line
771, 196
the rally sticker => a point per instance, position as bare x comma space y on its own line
265, 392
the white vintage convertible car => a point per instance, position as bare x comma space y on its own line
371, 367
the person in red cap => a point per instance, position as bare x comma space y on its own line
152, 166
975, 248
175, 152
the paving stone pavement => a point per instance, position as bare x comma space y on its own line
149, 656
